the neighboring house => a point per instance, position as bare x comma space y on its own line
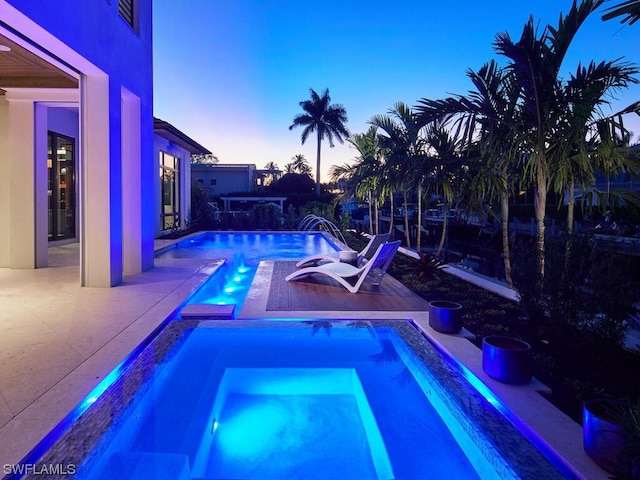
223, 178
173, 149
76, 135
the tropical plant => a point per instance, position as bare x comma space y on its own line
584, 130
487, 119
545, 99
365, 178
204, 159
273, 173
299, 164
629, 10
442, 169
402, 144
627, 416
326, 120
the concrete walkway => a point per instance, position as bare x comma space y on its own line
58, 340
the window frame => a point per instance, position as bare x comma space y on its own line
169, 164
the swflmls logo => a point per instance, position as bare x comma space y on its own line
43, 469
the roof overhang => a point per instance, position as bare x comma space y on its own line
21, 68
171, 133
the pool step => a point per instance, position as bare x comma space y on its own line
205, 310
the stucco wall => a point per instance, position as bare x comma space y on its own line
4, 182
227, 179
91, 38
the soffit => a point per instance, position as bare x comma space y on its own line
20, 68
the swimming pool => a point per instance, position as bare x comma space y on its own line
313, 399
255, 246
242, 252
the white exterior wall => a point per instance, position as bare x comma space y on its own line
229, 179
114, 65
5, 181
161, 144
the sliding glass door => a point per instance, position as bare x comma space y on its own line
62, 188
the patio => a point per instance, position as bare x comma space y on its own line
60, 340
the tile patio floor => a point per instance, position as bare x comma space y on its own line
58, 341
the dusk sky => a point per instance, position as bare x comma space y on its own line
231, 73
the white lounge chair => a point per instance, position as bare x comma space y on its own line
364, 255
345, 273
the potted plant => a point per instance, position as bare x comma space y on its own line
507, 359
445, 316
611, 436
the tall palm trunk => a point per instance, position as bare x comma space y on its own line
318, 162
571, 207
419, 234
506, 254
444, 233
568, 248
370, 216
391, 217
377, 219
406, 218
540, 202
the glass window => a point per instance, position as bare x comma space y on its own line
169, 191
61, 186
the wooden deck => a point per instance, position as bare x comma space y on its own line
321, 293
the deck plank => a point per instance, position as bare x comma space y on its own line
321, 293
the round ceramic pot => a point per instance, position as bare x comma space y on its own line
506, 359
445, 316
603, 439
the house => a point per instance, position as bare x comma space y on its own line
219, 179
173, 149
76, 135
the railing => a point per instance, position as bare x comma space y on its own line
314, 222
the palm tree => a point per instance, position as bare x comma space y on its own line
327, 120
300, 164
536, 62
487, 118
368, 174
442, 170
628, 9
403, 144
364, 178
585, 93
272, 168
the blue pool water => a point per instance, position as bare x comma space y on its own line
254, 246
286, 402
242, 253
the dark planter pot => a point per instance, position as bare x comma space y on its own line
445, 317
506, 359
604, 439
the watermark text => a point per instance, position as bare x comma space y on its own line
39, 469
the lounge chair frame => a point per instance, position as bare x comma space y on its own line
344, 273
363, 256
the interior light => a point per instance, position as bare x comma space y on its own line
4, 48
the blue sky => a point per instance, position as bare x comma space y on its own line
231, 73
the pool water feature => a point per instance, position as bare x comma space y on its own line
301, 400
242, 252
228, 285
